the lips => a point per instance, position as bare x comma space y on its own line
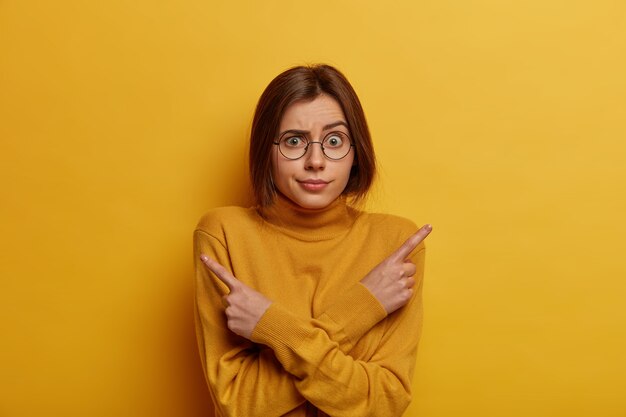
313, 184
313, 181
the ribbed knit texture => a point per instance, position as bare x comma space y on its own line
326, 345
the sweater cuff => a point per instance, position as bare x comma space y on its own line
355, 311
283, 332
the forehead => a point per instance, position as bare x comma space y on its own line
312, 114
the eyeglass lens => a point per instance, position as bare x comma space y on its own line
335, 145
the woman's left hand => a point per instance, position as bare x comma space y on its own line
244, 305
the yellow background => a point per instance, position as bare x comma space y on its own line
502, 123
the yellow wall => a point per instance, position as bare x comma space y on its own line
502, 123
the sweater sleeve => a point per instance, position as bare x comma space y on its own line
335, 382
350, 315
244, 378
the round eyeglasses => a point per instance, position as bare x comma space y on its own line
335, 145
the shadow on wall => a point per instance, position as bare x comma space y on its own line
196, 392
235, 190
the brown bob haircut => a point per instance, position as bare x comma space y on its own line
307, 83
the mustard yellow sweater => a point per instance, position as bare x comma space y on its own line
328, 346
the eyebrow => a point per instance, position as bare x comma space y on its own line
306, 132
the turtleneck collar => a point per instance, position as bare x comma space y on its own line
309, 224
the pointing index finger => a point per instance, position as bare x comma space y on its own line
219, 271
412, 242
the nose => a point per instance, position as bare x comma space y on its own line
314, 157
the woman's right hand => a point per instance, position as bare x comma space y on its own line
391, 281
244, 305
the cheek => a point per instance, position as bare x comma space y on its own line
350, 166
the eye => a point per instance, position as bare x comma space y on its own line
334, 141
294, 142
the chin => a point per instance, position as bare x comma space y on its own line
314, 204
313, 201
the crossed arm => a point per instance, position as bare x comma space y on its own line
264, 360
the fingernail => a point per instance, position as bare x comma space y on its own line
428, 227
204, 258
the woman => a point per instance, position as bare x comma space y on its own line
306, 306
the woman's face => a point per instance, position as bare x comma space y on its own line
313, 181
